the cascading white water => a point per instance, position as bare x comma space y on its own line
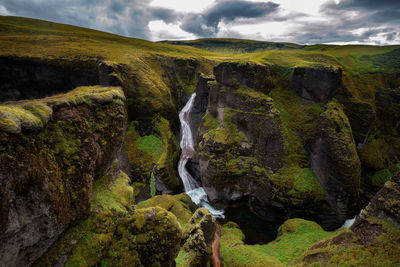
192, 188
348, 223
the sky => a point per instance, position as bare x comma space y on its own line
374, 22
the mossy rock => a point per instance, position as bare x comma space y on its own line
116, 234
152, 151
197, 239
180, 205
295, 236
335, 161
52, 158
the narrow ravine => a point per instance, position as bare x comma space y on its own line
192, 187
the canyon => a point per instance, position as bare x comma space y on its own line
119, 151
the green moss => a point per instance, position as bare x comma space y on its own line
209, 122
375, 154
114, 234
66, 143
299, 123
295, 236
252, 94
180, 205
379, 178
151, 145
87, 95
152, 155
382, 250
114, 195
33, 115
15, 118
239, 166
227, 133
298, 183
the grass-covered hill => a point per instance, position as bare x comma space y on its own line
89, 128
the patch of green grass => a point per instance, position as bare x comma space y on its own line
295, 237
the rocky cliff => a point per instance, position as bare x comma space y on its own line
373, 238
52, 150
253, 147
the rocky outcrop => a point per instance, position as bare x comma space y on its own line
197, 239
117, 234
316, 83
335, 161
29, 78
51, 151
180, 205
257, 77
376, 231
241, 137
384, 206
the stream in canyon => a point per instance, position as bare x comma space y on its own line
192, 187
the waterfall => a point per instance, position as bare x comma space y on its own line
348, 223
192, 187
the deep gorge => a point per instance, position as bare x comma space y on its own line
89, 156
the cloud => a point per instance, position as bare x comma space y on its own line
361, 21
348, 17
206, 24
124, 17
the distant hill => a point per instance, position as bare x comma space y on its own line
235, 45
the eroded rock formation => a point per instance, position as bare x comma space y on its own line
51, 152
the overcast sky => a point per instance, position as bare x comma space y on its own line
298, 21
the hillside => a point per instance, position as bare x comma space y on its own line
290, 141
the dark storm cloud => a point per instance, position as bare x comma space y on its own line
369, 4
379, 11
124, 17
352, 21
206, 23
347, 21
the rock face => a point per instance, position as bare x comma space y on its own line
235, 75
241, 137
316, 84
198, 237
335, 161
384, 206
374, 236
283, 164
117, 234
361, 117
27, 78
51, 152
388, 107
